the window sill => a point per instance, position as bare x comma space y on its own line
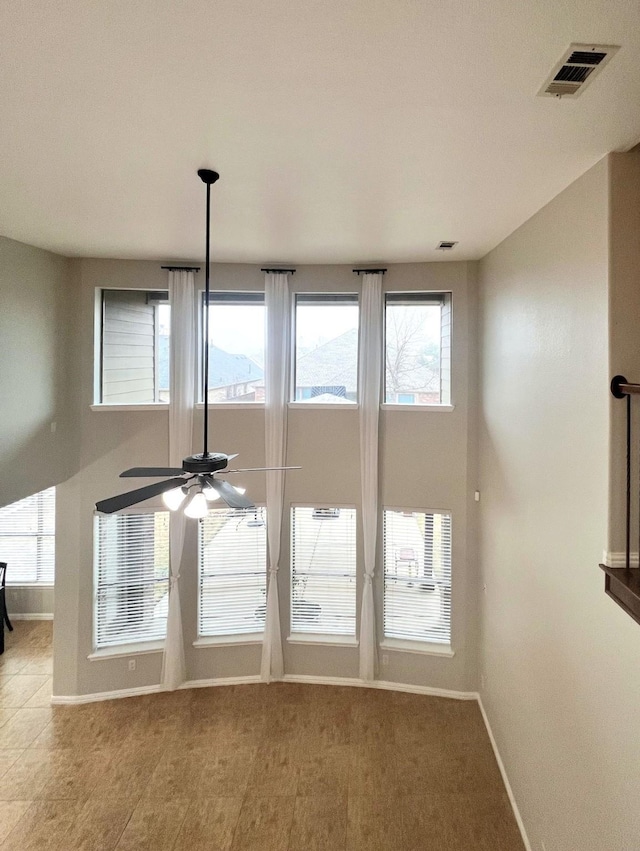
43, 585
231, 406
150, 406
436, 409
426, 648
234, 640
120, 651
323, 640
324, 406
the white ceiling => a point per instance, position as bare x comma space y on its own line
344, 130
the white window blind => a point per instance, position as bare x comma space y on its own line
417, 576
27, 539
232, 556
323, 571
132, 578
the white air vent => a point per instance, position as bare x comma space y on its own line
579, 65
445, 245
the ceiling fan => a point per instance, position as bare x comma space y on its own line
196, 482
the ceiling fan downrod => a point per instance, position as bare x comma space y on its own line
208, 177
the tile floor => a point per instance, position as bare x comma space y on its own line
283, 767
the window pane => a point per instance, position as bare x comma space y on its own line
236, 348
232, 549
27, 539
326, 365
132, 578
135, 347
417, 349
417, 576
323, 571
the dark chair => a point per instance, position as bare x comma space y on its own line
4, 615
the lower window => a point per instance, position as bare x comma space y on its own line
27, 539
417, 576
323, 571
232, 556
132, 578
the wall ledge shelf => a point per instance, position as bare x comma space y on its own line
623, 586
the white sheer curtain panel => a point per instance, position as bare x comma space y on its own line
370, 380
278, 357
182, 385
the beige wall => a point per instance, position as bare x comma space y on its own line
425, 460
38, 368
559, 660
36, 298
624, 342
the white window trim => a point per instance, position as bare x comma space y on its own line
423, 648
119, 651
437, 409
230, 406
43, 585
149, 406
226, 640
327, 406
321, 639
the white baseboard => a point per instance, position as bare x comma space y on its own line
31, 616
380, 684
222, 681
68, 700
619, 559
505, 779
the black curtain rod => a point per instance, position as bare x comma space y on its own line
181, 268
370, 271
282, 271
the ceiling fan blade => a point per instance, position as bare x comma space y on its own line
257, 469
149, 472
231, 457
230, 495
124, 500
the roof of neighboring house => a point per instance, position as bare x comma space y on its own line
225, 369
333, 363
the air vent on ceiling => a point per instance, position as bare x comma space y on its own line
579, 65
445, 246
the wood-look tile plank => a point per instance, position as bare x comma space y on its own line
74, 773
209, 825
177, 774
325, 772
374, 823
226, 773
128, 772
373, 770
154, 825
23, 727
17, 690
275, 771
42, 697
43, 826
264, 823
319, 824
99, 825
27, 776
10, 814
8, 757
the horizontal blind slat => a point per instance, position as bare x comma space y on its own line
27, 539
417, 576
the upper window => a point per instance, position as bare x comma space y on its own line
417, 576
236, 347
27, 539
232, 556
134, 350
326, 359
323, 571
131, 577
417, 348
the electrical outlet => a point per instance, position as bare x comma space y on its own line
385, 658
132, 664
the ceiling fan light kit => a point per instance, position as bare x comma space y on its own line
197, 485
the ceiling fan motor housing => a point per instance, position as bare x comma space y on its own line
208, 463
